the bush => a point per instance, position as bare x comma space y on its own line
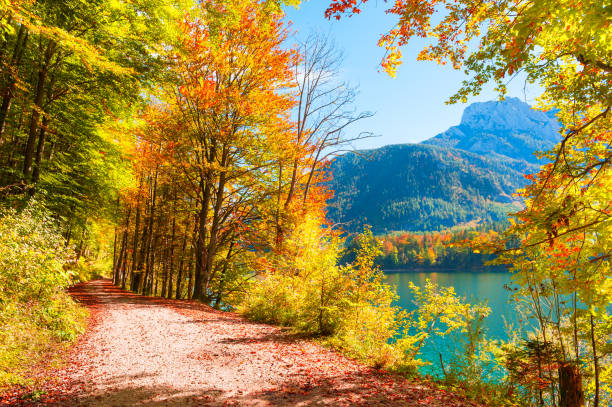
35, 311
304, 287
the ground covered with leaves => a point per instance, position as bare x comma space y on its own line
149, 351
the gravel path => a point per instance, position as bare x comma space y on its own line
145, 351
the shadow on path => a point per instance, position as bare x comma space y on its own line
212, 358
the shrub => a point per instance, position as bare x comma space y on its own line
304, 287
35, 311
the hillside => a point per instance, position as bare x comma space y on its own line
465, 174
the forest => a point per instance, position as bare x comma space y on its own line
181, 148
422, 188
448, 250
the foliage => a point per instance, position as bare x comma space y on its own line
370, 327
434, 250
70, 72
35, 311
177, 133
440, 312
307, 289
209, 154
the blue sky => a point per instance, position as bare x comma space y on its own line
410, 107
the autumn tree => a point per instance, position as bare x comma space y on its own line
210, 142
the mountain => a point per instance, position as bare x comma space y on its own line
504, 129
466, 174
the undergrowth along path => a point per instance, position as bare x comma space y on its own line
155, 352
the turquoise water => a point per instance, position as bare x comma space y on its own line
474, 287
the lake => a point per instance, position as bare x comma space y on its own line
474, 286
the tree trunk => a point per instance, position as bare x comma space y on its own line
81, 248
181, 262
123, 250
200, 266
142, 256
219, 295
9, 93
595, 364
117, 266
146, 289
211, 250
124, 264
171, 256
292, 185
135, 242
150, 258
34, 118
40, 149
164, 289
191, 280
115, 250
150, 268
279, 231
570, 386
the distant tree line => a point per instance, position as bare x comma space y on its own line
431, 250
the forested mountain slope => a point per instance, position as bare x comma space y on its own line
465, 174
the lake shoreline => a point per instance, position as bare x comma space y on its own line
446, 270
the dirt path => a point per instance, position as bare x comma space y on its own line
145, 351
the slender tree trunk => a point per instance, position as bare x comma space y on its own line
311, 173
150, 252
150, 269
124, 264
171, 256
155, 280
121, 262
200, 267
34, 118
81, 248
219, 295
40, 149
190, 289
212, 243
68, 234
147, 273
7, 97
279, 231
135, 240
51, 152
595, 364
164, 289
115, 250
292, 185
118, 266
142, 256
181, 262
